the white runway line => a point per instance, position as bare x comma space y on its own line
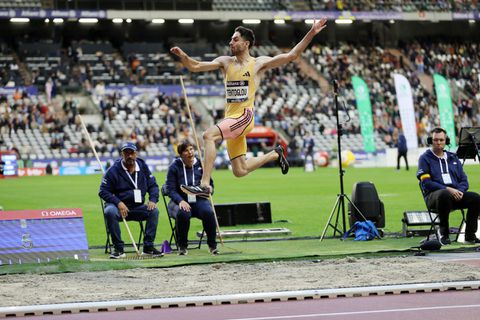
299, 316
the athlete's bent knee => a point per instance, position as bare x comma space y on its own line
239, 172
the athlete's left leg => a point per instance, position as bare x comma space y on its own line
242, 166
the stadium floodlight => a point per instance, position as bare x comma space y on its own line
186, 21
251, 21
279, 21
343, 21
58, 20
158, 20
471, 21
309, 21
47, 20
392, 21
117, 20
129, 20
88, 20
19, 20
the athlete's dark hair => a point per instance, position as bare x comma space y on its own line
183, 146
247, 34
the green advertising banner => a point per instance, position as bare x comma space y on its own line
445, 108
364, 107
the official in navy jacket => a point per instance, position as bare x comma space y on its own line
187, 170
402, 150
445, 187
123, 189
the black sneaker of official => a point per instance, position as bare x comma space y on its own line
117, 254
282, 161
182, 251
151, 251
214, 251
472, 240
201, 191
445, 240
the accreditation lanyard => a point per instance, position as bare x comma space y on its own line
191, 198
137, 194
445, 173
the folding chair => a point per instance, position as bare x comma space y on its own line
435, 218
173, 222
108, 243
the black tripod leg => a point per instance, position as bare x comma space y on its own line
358, 210
330, 217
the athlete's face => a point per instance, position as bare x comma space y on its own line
188, 156
238, 44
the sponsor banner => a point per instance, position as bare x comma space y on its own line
332, 15
43, 14
364, 107
41, 214
472, 15
195, 90
43, 163
83, 170
10, 91
84, 166
445, 107
405, 106
30, 172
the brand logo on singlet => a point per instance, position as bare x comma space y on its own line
246, 74
236, 91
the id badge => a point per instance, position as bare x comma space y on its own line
137, 195
192, 198
446, 178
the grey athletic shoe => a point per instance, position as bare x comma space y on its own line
201, 191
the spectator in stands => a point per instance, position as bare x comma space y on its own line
187, 169
123, 189
445, 186
242, 75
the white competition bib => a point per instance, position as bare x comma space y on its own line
236, 91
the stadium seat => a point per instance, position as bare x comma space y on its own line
108, 243
435, 220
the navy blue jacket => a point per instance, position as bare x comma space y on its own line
430, 173
402, 144
116, 186
176, 177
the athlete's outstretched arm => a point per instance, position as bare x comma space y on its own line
195, 65
284, 58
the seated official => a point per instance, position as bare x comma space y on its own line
123, 189
445, 186
187, 170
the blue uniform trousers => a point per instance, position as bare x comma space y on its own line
140, 213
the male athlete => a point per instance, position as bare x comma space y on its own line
242, 74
